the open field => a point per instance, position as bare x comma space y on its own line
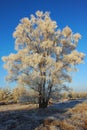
68, 115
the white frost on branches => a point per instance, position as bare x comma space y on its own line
45, 54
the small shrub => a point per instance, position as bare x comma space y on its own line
18, 93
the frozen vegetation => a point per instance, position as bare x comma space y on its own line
44, 60
45, 55
66, 115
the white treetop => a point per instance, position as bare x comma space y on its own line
45, 54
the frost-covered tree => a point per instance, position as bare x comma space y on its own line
45, 55
18, 93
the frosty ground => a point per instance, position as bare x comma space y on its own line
66, 115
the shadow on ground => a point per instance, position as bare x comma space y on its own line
29, 119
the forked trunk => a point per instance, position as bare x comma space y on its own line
43, 101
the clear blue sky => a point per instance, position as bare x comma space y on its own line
66, 12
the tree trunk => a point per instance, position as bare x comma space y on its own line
43, 103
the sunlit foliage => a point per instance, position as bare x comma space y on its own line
45, 55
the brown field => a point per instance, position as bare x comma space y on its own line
68, 115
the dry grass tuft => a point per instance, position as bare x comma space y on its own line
63, 125
81, 108
84, 125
